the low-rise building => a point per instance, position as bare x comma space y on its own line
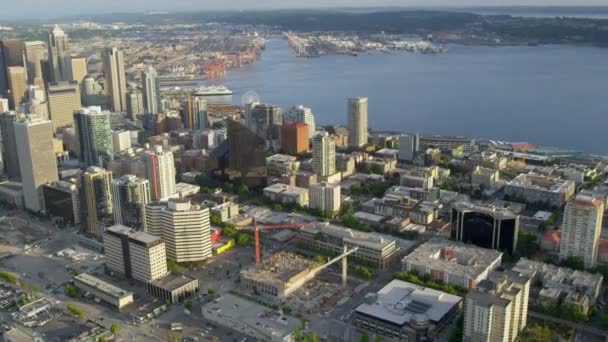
287, 194
561, 285
403, 311
280, 164
376, 250
452, 262
483, 177
103, 290
535, 188
325, 197
226, 211
173, 288
381, 165
278, 276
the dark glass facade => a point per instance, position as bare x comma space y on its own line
484, 229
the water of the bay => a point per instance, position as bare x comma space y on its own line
549, 95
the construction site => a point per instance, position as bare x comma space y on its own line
18, 233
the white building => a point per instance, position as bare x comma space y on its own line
287, 194
121, 140
136, 255
301, 114
324, 155
103, 290
325, 197
357, 122
408, 146
37, 162
581, 229
160, 169
183, 226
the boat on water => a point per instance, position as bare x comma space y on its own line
213, 91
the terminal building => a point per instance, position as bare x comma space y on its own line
403, 311
103, 290
135, 254
377, 250
484, 226
278, 276
452, 262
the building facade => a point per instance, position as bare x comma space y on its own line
301, 114
324, 155
116, 78
63, 99
581, 229
151, 90
60, 62
294, 138
130, 196
97, 191
325, 197
357, 121
160, 168
95, 136
9, 144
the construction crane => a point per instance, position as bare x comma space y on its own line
256, 232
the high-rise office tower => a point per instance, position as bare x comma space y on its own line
294, 138
325, 197
63, 99
95, 136
93, 93
357, 122
9, 142
134, 254
97, 191
304, 115
497, 310
183, 226
151, 90
36, 102
121, 140
131, 194
79, 68
135, 104
324, 154
37, 162
581, 229
60, 63
408, 146
116, 78
16, 83
34, 54
4, 105
484, 226
266, 121
196, 117
246, 154
12, 50
160, 168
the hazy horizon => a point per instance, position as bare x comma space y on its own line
48, 9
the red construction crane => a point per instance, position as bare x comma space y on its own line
256, 232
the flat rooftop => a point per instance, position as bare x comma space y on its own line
540, 182
137, 237
494, 211
173, 281
279, 268
354, 237
453, 257
102, 286
400, 302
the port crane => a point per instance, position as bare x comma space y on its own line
256, 233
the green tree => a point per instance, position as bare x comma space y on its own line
23, 285
536, 333
277, 207
173, 266
313, 337
377, 339
188, 305
35, 289
76, 311
364, 337
71, 291
115, 329
297, 334
575, 263
243, 239
8, 277
319, 258
210, 291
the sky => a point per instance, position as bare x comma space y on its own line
45, 9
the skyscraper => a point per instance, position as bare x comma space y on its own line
294, 138
135, 104
151, 90
130, 196
116, 78
266, 121
97, 191
9, 142
304, 115
12, 50
160, 168
183, 226
246, 154
196, 117
581, 229
134, 254
497, 310
357, 122
34, 54
408, 146
325, 197
95, 136
60, 63
79, 68
37, 162
93, 93
4, 105
324, 154
16, 83
63, 99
